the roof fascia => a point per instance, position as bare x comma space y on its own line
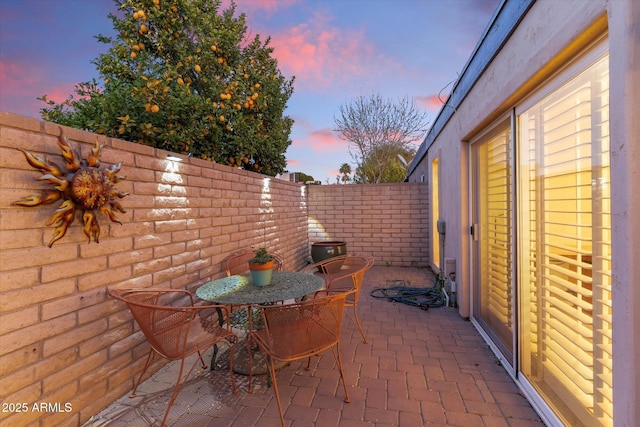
505, 20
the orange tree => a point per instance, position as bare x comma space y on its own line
180, 75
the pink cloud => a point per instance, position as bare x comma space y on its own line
431, 103
321, 55
21, 84
301, 121
14, 77
326, 140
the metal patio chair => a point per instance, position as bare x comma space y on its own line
176, 328
300, 330
344, 273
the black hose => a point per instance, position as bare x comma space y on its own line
424, 298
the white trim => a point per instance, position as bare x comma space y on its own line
592, 53
495, 127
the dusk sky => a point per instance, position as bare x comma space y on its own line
336, 49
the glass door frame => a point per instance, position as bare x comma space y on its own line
511, 366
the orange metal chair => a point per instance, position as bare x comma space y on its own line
237, 262
344, 273
300, 330
176, 328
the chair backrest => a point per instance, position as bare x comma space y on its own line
238, 262
302, 329
162, 317
349, 266
350, 275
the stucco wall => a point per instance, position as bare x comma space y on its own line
63, 340
550, 35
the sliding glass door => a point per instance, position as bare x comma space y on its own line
492, 238
565, 247
541, 245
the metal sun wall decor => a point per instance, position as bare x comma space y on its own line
82, 186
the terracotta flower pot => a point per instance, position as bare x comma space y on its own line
261, 273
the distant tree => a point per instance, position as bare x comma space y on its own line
181, 76
395, 171
303, 177
345, 170
377, 131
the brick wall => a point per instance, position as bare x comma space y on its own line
63, 340
388, 221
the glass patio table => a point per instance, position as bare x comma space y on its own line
239, 291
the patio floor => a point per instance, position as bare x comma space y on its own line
420, 367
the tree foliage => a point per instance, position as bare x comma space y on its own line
378, 130
303, 177
345, 171
180, 75
394, 171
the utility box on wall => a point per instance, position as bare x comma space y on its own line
449, 267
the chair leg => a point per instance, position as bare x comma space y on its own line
250, 358
146, 365
272, 373
232, 349
176, 388
204, 365
356, 320
214, 356
336, 354
179, 383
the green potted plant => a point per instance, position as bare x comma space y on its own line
261, 267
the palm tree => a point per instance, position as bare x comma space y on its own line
345, 170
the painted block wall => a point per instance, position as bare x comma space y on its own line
64, 341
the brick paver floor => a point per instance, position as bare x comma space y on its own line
420, 367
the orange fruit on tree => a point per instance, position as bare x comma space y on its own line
197, 68
155, 108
